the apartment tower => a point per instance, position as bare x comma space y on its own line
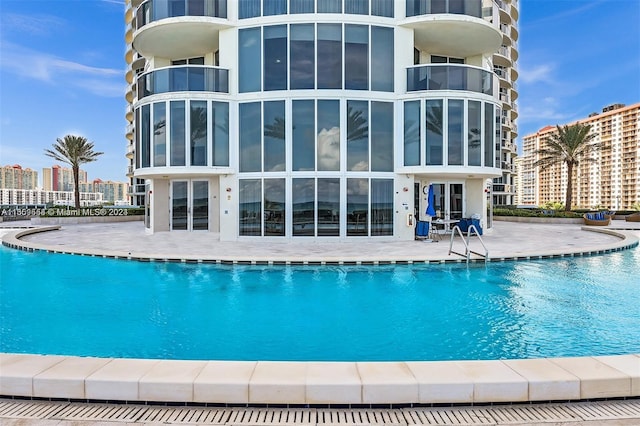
319, 118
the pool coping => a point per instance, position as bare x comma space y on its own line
317, 383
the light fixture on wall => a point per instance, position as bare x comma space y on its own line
228, 189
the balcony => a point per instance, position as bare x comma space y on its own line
185, 78
137, 189
475, 24
451, 77
179, 28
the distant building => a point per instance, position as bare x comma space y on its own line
28, 197
611, 182
57, 178
112, 192
15, 177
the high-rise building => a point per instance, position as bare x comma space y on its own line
57, 178
319, 118
112, 192
15, 177
612, 181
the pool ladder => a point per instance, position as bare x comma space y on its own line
467, 250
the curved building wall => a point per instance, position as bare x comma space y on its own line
314, 124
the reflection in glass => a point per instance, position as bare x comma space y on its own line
137, 136
220, 133
303, 192
274, 207
275, 57
250, 207
357, 207
274, 134
329, 207
274, 7
302, 56
198, 133
382, 68
249, 66
301, 6
159, 134
250, 140
248, 8
496, 136
382, 8
178, 134
357, 7
381, 207
356, 57
329, 6
488, 135
179, 206
474, 135
328, 138
434, 132
412, 153
146, 136
455, 137
381, 136
303, 143
200, 219
357, 135
329, 61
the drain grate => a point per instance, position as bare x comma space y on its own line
600, 411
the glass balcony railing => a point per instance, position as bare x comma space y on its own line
154, 10
450, 77
187, 78
429, 7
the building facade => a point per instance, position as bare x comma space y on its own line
32, 197
15, 177
57, 178
317, 118
112, 192
612, 182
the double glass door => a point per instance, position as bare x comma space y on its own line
189, 205
448, 200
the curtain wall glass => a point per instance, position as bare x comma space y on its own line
146, 136
302, 54
474, 133
178, 135
329, 207
249, 63
220, 134
356, 57
274, 136
303, 193
274, 7
381, 207
357, 207
275, 57
412, 154
198, 133
488, 135
200, 209
382, 58
248, 8
329, 61
435, 132
250, 148
357, 7
328, 137
274, 207
455, 137
329, 6
303, 129
382, 8
159, 134
357, 135
381, 136
301, 6
250, 207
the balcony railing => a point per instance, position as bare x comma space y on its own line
184, 78
450, 77
459, 7
137, 189
154, 10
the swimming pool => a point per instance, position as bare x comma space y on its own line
75, 305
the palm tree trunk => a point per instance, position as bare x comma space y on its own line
569, 196
76, 186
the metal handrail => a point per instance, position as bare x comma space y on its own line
467, 251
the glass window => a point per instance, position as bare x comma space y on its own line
438, 6
200, 219
416, 7
496, 136
357, 207
195, 78
382, 136
358, 7
137, 136
474, 134
357, 135
383, 8
455, 136
329, 60
329, 6
178, 139
488, 135
159, 134
434, 134
274, 136
381, 207
274, 207
274, 7
356, 57
179, 79
146, 136
176, 8
199, 129
302, 57
250, 207
303, 125
412, 154
328, 138
179, 206
382, 68
248, 8
250, 139
220, 134
329, 207
249, 63
303, 192
275, 57
301, 6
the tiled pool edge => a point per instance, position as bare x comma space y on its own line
319, 383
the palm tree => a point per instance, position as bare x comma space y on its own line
569, 145
73, 150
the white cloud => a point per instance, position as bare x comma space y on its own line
38, 25
538, 73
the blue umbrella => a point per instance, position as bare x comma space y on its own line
431, 201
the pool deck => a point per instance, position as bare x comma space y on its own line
359, 384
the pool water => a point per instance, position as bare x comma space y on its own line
78, 305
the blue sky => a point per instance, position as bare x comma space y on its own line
62, 71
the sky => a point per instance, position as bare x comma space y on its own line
62, 72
